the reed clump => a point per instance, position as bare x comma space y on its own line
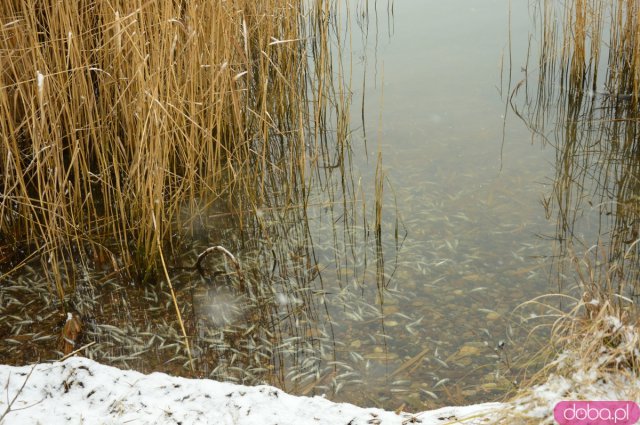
593, 347
602, 329
583, 101
122, 120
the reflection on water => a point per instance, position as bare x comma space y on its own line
589, 114
415, 315
419, 314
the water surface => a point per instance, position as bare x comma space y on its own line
416, 314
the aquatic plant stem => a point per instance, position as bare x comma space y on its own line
229, 255
173, 294
74, 352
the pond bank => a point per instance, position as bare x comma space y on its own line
79, 390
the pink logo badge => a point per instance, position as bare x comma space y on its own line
596, 412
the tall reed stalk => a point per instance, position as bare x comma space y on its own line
116, 115
583, 100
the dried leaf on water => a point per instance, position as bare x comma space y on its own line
70, 332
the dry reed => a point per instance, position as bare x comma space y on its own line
586, 106
121, 121
592, 344
583, 101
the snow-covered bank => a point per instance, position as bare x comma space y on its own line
79, 390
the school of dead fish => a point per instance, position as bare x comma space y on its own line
429, 335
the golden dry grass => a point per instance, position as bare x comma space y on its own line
121, 120
592, 351
585, 105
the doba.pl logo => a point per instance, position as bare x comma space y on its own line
596, 412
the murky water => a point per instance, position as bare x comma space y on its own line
419, 314
469, 199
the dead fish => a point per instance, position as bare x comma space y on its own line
429, 393
441, 382
441, 362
